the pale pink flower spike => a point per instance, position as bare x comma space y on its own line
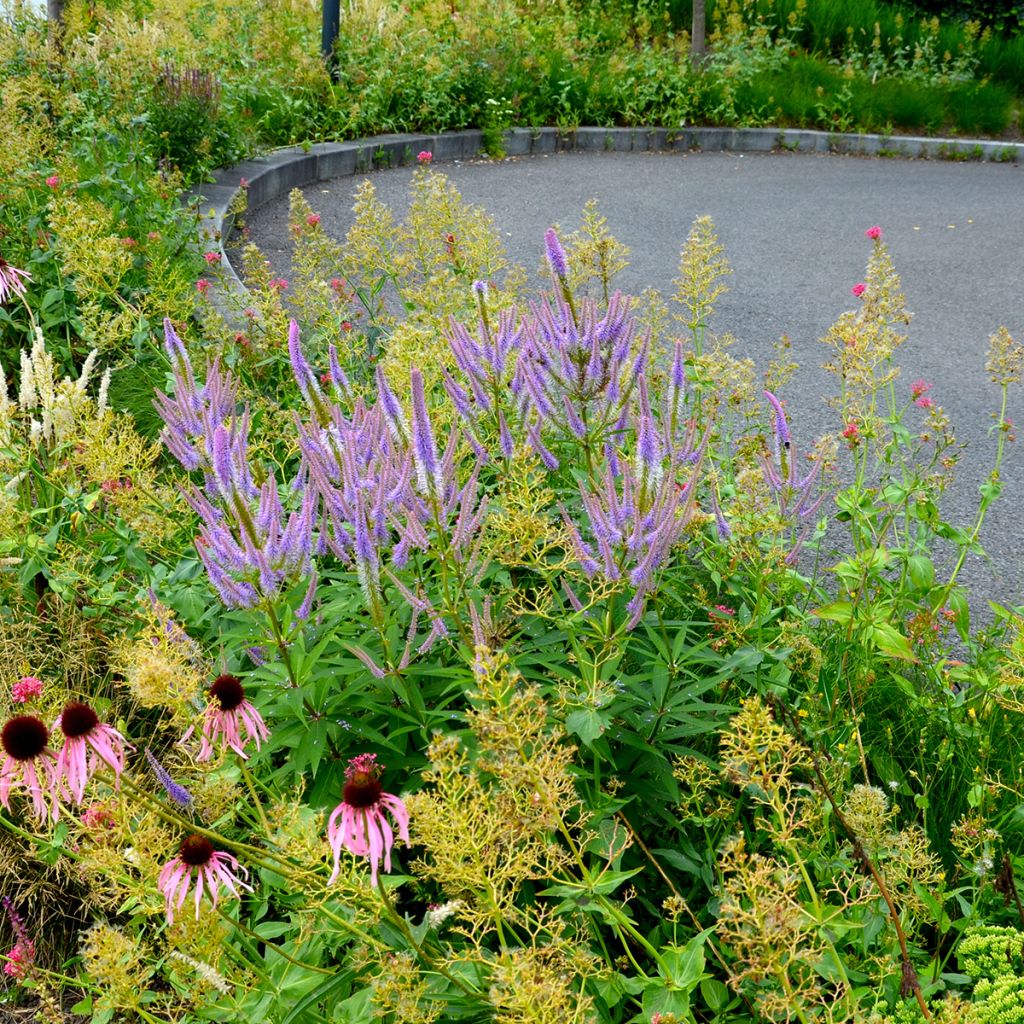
86, 742
358, 823
28, 761
227, 716
213, 868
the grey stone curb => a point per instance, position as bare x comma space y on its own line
276, 174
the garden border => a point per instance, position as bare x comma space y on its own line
276, 174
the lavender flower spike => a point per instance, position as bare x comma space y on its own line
424, 448
393, 414
178, 793
556, 254
304, 376
781, 426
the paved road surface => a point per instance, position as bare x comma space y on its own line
793, 228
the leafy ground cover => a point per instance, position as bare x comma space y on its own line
442, 647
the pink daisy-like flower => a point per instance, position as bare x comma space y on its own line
858, 290
12, 280
358, 822
29, 761
86, 742
227, 715
26, 688
874, 233
213, 868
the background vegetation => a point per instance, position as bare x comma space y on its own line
689, 725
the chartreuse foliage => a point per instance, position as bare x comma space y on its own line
474, 648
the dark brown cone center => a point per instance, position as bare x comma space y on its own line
78, 719
24, 737
228, 691
196, 851
361, 790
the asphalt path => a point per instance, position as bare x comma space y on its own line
793, 229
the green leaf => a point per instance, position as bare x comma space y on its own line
715, 994
588, 724
683, 967
838, 611
892, 642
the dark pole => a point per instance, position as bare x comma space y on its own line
329, 33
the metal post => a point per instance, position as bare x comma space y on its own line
329, 33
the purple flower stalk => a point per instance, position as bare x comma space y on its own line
309, 386
782, 437
555, 254
424, 447
178, 793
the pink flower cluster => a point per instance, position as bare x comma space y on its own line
874, 233
212, 258
858, 290
425, 156
26, 688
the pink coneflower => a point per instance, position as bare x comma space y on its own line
26, 688
28, 760
858, 290
12, 280
874, 233
86, 741
213, 869
227, 715
358, 822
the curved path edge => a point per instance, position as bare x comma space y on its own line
274, 175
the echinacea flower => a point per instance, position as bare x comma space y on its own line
358, 823
12, 280
213, 868
26, 688
86, 741
227, 715
28, 760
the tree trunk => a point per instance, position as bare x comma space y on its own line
698, 45
55, 17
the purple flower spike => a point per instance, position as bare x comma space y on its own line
508, 446
556, 254
393, 414
304, 376
220, 456
428, 468
781, 427
538, 446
